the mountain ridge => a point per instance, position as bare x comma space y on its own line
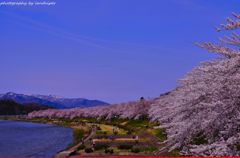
51, 100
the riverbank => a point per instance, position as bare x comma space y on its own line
27, 139
78, 131
117, 136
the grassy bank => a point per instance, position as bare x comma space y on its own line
111, 137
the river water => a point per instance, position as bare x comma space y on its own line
23, 139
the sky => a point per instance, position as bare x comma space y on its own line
112, 50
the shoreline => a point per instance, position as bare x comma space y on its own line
26, 120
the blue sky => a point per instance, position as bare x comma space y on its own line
113, 50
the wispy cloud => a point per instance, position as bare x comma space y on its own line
56, 31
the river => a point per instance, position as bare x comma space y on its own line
24, 139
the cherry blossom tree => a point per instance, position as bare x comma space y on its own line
206, 104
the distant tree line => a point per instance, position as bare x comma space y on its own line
9, 107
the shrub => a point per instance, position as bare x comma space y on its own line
100, 146
160, 134
125, 146
88, 150
78, 134
82, 146
98, 128
238, 147
129, 132
109, 151
135, 150
104, 132
199, 139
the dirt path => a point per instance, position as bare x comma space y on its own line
85, 140
73, 149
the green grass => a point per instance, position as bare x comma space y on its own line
148, 149
100, 132
78, 134
115, 121
174, 153
137, 123
160, 134
133, 126
109, 129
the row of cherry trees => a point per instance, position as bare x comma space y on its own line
131, 110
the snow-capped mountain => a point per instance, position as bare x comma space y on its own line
51, 100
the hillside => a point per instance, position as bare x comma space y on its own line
71, 102
51, 101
